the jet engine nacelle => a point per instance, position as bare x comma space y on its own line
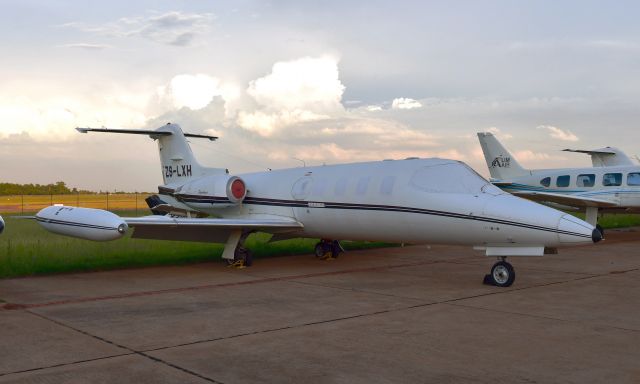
84, 223
220, 191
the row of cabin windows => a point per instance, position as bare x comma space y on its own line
589, 180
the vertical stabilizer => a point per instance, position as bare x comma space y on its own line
177, 163
176, 158
502, 165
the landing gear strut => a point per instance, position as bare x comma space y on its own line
242, 256
502, 274
328, 249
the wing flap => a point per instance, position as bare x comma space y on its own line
205, 229
571, 200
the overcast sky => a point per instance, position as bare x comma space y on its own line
326, 82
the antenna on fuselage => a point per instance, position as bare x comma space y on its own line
304, 164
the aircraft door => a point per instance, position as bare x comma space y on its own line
631, 197
300, 191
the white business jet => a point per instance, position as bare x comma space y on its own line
404, 201
612, 184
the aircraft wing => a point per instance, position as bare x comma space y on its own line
205, 229
570, 200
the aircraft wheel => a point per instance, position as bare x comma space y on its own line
502, 274
241, 257
599, 228
321, 249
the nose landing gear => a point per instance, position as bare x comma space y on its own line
502, 274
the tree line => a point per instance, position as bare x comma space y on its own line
58, 188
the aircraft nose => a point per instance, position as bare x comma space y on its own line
596, 235
572, 230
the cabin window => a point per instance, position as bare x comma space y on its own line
386, 187
363, 184
341, 187
633, 179
586, 180
612, 179
563, 181
545, 182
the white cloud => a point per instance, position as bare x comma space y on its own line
405, 103
497, 132
53, 119
172, 28
192, 91
302, 90
528, 155
558, 133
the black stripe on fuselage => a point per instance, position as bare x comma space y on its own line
74, 224
370, 207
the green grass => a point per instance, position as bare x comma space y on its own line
615, 220
27, 249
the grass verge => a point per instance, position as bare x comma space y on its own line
27, 249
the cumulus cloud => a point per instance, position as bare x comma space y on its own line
528, 155
405, 103
558, 133
497, 132
302, 90
53, 119
191, 91
172, 28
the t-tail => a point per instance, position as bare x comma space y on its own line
502, 165
178, 164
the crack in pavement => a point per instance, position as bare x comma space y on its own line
294, 279
18, 306
130, 352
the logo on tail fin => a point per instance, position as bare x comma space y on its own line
501, 162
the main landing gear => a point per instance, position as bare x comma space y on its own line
502, 274
328, 249
242, 256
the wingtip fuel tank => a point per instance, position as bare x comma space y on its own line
84, 223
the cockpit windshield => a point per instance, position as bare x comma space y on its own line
455, 177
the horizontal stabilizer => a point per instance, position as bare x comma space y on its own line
153, 133
570, 200
605, 157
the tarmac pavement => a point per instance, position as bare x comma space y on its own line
416, 314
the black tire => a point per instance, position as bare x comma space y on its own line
241, 253
502, 274
599, 228
248, 258
320, 250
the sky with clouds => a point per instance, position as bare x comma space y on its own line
324, 82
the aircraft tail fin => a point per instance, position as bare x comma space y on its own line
178, 164
502, 165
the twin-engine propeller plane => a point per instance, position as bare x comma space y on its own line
403, 201
612, 184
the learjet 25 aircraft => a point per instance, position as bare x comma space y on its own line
403, 201
612, 184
